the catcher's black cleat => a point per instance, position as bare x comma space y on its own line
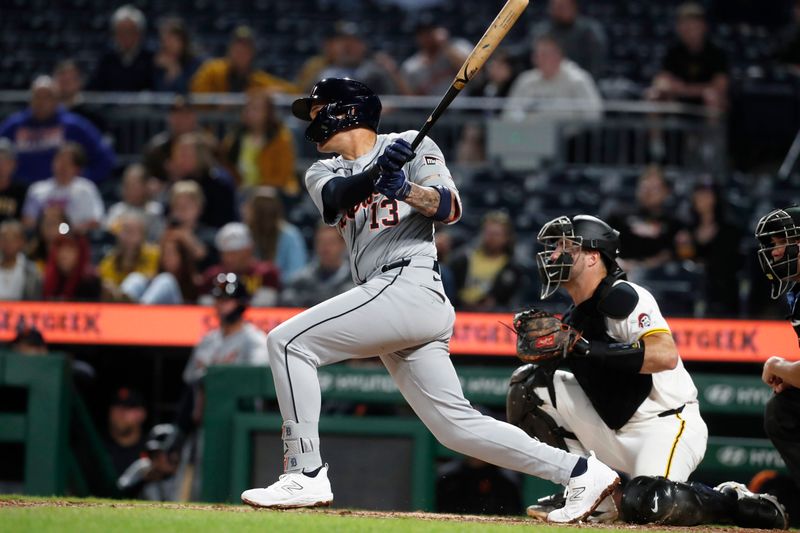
762, 511
543, 506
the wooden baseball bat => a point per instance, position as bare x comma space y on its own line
476, 59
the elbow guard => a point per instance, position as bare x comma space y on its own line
445, 203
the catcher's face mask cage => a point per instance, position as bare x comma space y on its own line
778, 250
556, 260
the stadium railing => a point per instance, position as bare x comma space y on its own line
630, 132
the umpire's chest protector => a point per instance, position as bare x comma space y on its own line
615, 395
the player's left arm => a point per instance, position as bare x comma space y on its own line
780, 374
660, 352
434, 202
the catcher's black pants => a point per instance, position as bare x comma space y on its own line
782, 424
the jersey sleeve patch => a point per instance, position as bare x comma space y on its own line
644, 320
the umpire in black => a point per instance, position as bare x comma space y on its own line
778, 234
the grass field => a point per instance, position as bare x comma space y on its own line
27, 514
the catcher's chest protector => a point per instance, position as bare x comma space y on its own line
615, 395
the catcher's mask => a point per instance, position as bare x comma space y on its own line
348, 103
778, 230
562, 238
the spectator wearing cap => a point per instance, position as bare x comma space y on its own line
583, 39
12, 193
260, 149
236, 248
125, 439
236, 340
19, 277
129, 65
693, 70
69, 85
236, 72
431, 70
351, 58
77, 195
136, 197
193, 159
69, 275
176, 59
555, 79
326, 276
131, 254
276, 240
186, 201
39, 131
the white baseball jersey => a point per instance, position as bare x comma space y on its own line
665, 435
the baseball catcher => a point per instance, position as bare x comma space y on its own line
623, 391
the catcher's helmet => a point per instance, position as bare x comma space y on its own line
775, 230
348, 103
585, 231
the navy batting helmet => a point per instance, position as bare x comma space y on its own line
348, 103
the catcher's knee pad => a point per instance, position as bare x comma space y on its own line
657, 500
523, 408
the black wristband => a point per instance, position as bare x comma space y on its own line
341, 193
625, 357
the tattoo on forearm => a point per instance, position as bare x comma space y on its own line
423, 199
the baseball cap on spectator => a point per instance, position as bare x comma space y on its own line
127, 397
232, 237
691, 10
29, 336
243, 34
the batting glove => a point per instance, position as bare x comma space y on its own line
393, 185
395, 156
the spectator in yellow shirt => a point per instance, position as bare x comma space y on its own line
236, 73
260, 150
131, 254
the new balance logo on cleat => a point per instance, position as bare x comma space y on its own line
576, 494
294, 487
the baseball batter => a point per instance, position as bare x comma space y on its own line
384, 199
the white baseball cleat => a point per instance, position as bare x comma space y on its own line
293, 490
605, 513
585, 492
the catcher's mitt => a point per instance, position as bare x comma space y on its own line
542, 336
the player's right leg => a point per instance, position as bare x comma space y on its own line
358, 323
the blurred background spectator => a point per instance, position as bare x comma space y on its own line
260, 278
132, 253
487, 275
48, 227
648, 228
176, 281
260, 150
69, 274
12, 193
237, 72
19, 277
327, 275
176, 59
39, 131
276, 240
135, 197
68, 78
495, 81
431, 70
787, 49
470, 486
554, 78
128, 64
186, 201
77, 195
582, 39
193, 159
181, 120
694, 70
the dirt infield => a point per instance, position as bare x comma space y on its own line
66, 502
